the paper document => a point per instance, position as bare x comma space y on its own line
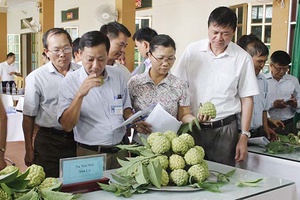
134, 117
162, 121
260, 141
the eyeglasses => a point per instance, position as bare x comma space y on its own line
164, 59
57, 52
284, 69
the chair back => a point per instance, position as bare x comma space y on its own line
19, 82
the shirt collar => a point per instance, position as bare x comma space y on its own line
145, 78
228, 51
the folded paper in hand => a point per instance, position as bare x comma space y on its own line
162, 121
260, 141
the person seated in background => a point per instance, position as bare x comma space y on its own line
75, 51
142, 38
45, 59
283, 93
158, 85
259, 53
93, 100
3, 135
8, 70
118, 35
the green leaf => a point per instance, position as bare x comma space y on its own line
120, 179
9, 177
197, 123
144, 141
283, 138
184, 128
54, 195
191, 123
7, 189
249, 183
23, 175
31, 195
211, 186
18, 184
109, 188
155, 172
230, 173
141, 175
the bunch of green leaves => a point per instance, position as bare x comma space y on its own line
222, 179
188, 127
15, 185
284, 144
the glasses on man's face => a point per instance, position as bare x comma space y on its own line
283, 69
57, 52
170, 59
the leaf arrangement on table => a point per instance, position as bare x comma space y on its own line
165, 160
284, 144
30, 185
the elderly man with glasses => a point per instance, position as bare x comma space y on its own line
40, 107
284, 92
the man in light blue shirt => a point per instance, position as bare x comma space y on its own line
94, 100
259, 53
284, 92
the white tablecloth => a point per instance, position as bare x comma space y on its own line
14, 127
20, 104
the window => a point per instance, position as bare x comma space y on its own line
140, 22
292, 24
13, 45
241, 13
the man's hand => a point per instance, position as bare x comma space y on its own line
203, 118
143, 127
3, 163
277, 123
292, 102
241, 148
279, 103
90, 82
29, 157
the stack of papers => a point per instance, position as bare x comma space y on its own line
260, 141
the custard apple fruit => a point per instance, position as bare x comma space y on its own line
152, 136
170, 135
164, 161
199, 172
176, 162
188, 139
36, 175
209, 109
179, 146
160, 144
179, 177
194, 156
164, 178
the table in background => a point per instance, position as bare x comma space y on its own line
10, 100
285, 166
14, 127
270, 188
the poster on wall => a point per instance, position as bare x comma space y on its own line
139, 4
70, 15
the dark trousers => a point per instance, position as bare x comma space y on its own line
10, 84
219, 144
50, 146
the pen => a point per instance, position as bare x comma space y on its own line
137, 120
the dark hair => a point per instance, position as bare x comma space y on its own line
281, 58
75, 46
244, 40
223, 16
94, 38
113, 29
10, 54
161, 40
144, 34
55, 31
253, 45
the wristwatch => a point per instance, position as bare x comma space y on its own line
2, 149
247, 133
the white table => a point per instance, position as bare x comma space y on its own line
14, 127
9, 100
270, 188
285, 166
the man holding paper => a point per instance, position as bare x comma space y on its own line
94, 100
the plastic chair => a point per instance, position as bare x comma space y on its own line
19, 82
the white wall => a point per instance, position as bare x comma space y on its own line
87, 20
184, 20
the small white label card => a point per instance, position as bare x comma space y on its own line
82, 168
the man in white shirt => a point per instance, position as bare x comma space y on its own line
118, 35
284, 92
220, 72
8, 70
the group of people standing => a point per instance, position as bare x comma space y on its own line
77, 106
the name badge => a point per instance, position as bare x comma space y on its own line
117, 105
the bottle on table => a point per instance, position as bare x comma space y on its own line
13, 89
